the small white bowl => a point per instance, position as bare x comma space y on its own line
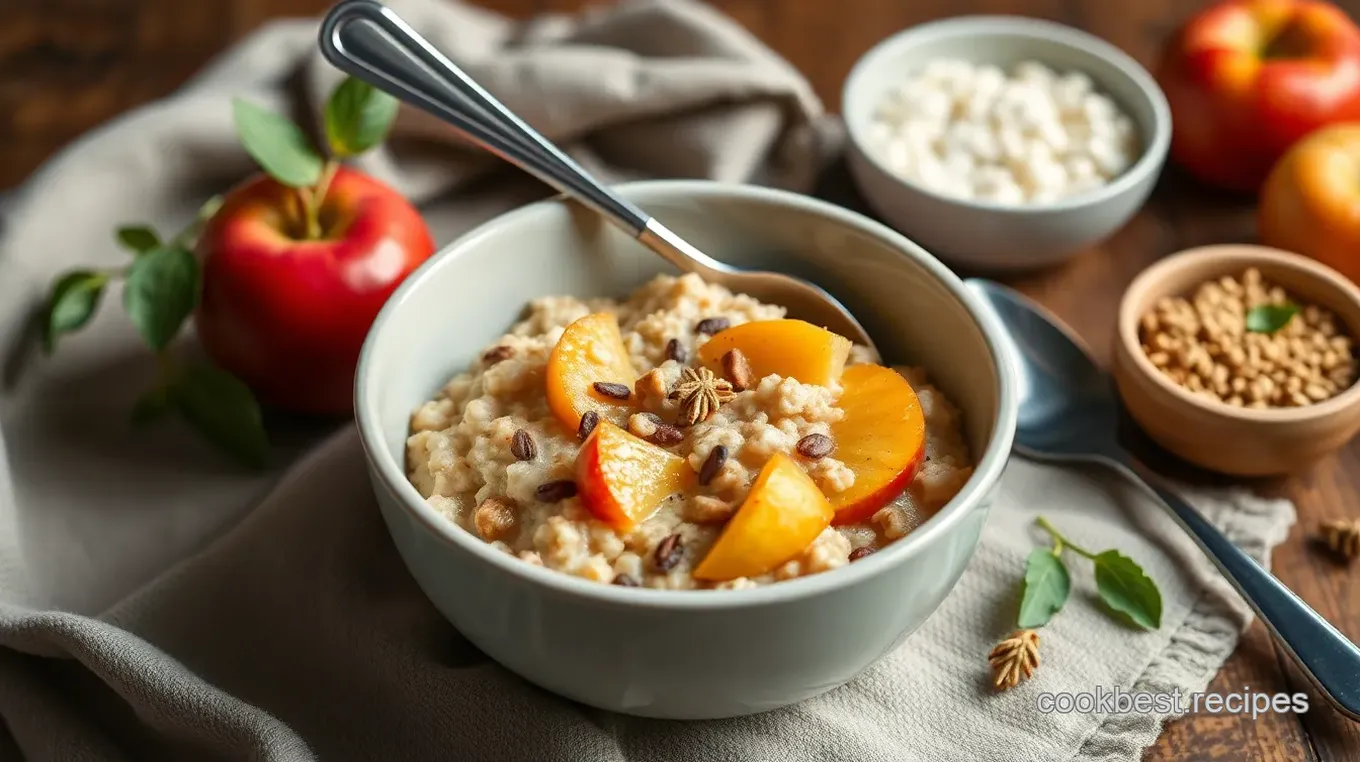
992, 236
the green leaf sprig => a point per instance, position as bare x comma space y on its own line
163, 283
161, 288
357, 117
1269, 318
1130, 595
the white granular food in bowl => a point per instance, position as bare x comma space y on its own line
974, 131
460, 454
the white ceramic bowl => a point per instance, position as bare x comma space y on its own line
986, 235
681, 654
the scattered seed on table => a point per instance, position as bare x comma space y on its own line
815, 446
522, 445
589, 421
712, 464
611, 389
556, 490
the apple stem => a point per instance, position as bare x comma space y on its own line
314, 198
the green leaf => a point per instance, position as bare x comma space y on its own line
1047, 585
277, 144
1126, 589
162, 289
1269, 318
74, 299
357, 118
138, 239
151, 407
224, 411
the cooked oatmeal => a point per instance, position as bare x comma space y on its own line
489, 453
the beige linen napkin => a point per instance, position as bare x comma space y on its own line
155, 603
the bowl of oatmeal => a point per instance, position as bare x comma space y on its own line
655, 496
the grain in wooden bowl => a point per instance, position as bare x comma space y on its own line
1240, 359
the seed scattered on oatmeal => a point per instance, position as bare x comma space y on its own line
555, 491
643, 424
712, 325
737, 369
611, 389
522, 445
712, 464
815, 446
1244, 341
497, 353
589, 421
667, 435
676, 351
624, 580
495, 518
668, 553
859, 553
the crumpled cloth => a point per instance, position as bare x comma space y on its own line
158, 603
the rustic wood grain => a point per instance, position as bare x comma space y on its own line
68, 65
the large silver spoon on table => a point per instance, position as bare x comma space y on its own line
1069, 412
370, 42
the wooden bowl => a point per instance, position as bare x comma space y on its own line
1216, 435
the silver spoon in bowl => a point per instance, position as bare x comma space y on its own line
1069, 412
370, 42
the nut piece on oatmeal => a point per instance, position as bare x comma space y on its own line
495, 518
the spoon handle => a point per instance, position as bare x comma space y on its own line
1329, 660
370, 42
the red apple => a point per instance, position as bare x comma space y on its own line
1246, 79
287, 313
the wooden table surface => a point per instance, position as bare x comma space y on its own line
67, 65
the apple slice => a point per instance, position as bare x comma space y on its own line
882, 438
622, 479
781, 515
590, 351
791, 348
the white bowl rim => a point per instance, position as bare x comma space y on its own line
1154, 151
986, 473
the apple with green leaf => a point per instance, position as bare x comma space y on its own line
283, 277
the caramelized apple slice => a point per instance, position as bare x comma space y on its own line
783, 513
590, 351
622, 479
791, 348
882, 438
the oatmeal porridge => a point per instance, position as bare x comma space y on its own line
687, 437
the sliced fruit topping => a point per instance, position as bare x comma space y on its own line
622, 479
586, 371
791, 348
782, 514
882, 438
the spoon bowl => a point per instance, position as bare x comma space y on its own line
1069, 412
369, 42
